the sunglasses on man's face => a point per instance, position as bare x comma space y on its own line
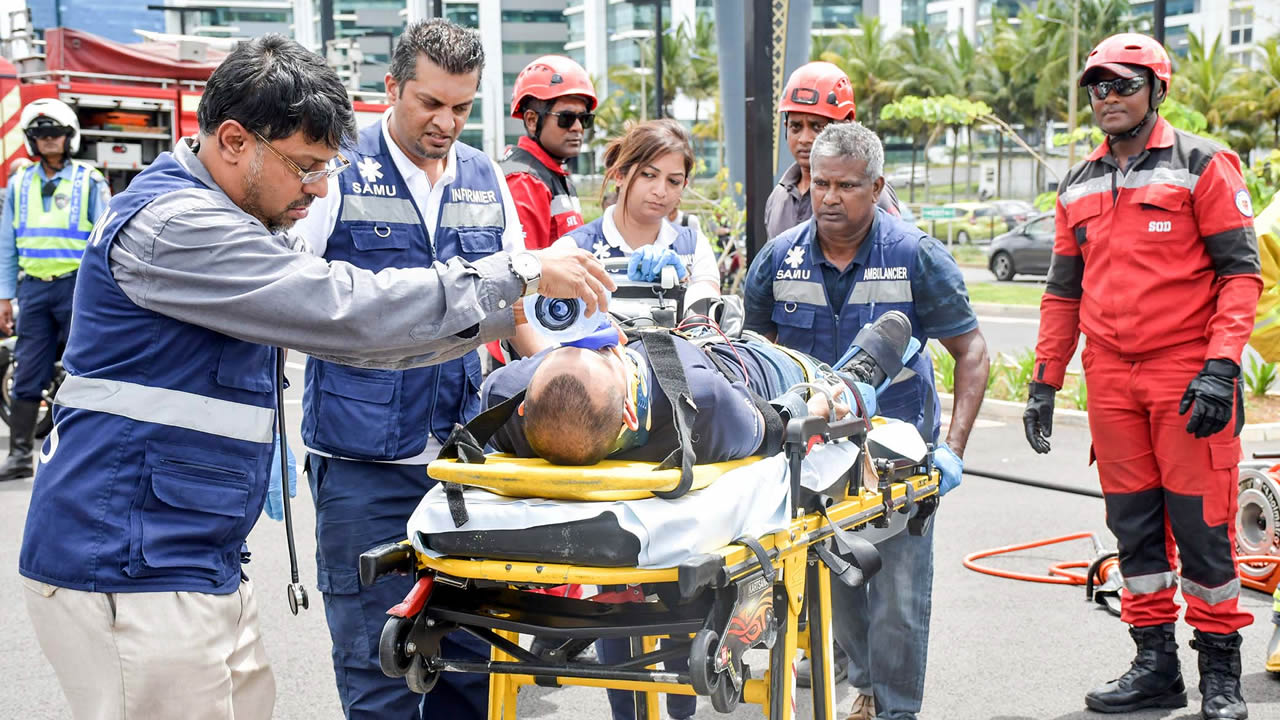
566, 119
1123, 87
41, 133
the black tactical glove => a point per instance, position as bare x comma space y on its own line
1037, 420
1211, 397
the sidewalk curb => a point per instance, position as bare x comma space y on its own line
1031, 312
1007, 411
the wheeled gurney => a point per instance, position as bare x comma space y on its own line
714, 603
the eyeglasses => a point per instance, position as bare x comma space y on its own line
308, 177
1123, 87
566, 119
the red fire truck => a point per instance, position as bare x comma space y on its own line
133, 101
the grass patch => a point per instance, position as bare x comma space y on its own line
969, 255
1006, 293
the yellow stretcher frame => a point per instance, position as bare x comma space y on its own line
798, 572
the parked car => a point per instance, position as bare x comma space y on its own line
905, 175
974, 222
1025, 250
1015, 212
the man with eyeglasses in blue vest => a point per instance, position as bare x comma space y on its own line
812, 289
50, 210
163, 445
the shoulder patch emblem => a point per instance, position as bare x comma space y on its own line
1244, 203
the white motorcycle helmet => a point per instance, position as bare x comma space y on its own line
50, 113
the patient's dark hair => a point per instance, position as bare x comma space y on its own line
566, 424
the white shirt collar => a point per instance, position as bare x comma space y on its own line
408, 170
666, 235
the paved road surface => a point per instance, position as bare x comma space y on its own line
1000, 650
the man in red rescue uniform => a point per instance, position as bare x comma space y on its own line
1156, 262
555, 99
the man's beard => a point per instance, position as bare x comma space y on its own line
421, 151
252, 203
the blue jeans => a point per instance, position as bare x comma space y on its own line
883, 626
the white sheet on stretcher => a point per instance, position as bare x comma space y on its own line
752, 500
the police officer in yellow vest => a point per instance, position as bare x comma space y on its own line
49, 212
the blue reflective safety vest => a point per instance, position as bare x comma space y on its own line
157, 466
590, 237
370, 414
808, 321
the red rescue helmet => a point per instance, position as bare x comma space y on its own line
1118, 52
550, 77
819, 88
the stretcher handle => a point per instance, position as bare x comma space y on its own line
799, 430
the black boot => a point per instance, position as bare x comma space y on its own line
1153, 680
22, 432
1220, 676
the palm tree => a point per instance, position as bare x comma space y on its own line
871, 63
702, 79
1005, 82
1209, 82
1264, 82
961, 63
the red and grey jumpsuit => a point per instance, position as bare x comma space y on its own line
1158, 266
544, 195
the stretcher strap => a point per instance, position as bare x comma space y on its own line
669, 371
774, 425
754, 546
466, 444
854, 560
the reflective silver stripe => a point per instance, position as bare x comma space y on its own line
1088, 187
1147, 584
799, 291
1212, 596
880, 291
905, 374
1181, 177
471, 215
565, 203
169, 407
372, 208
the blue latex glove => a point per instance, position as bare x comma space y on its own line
275, 496
646, 264
951, 467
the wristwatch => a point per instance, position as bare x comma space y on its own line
528, 268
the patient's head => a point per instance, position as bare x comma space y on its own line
573, 411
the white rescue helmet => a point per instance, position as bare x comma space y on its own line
50, 113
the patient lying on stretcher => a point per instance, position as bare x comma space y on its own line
605, 399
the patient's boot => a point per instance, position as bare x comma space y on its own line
1153, 680
878, 349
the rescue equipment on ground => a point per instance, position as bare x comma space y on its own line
1257, 541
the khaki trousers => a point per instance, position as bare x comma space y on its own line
154, 655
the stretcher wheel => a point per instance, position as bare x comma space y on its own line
702, 663
419, 679
392, 657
